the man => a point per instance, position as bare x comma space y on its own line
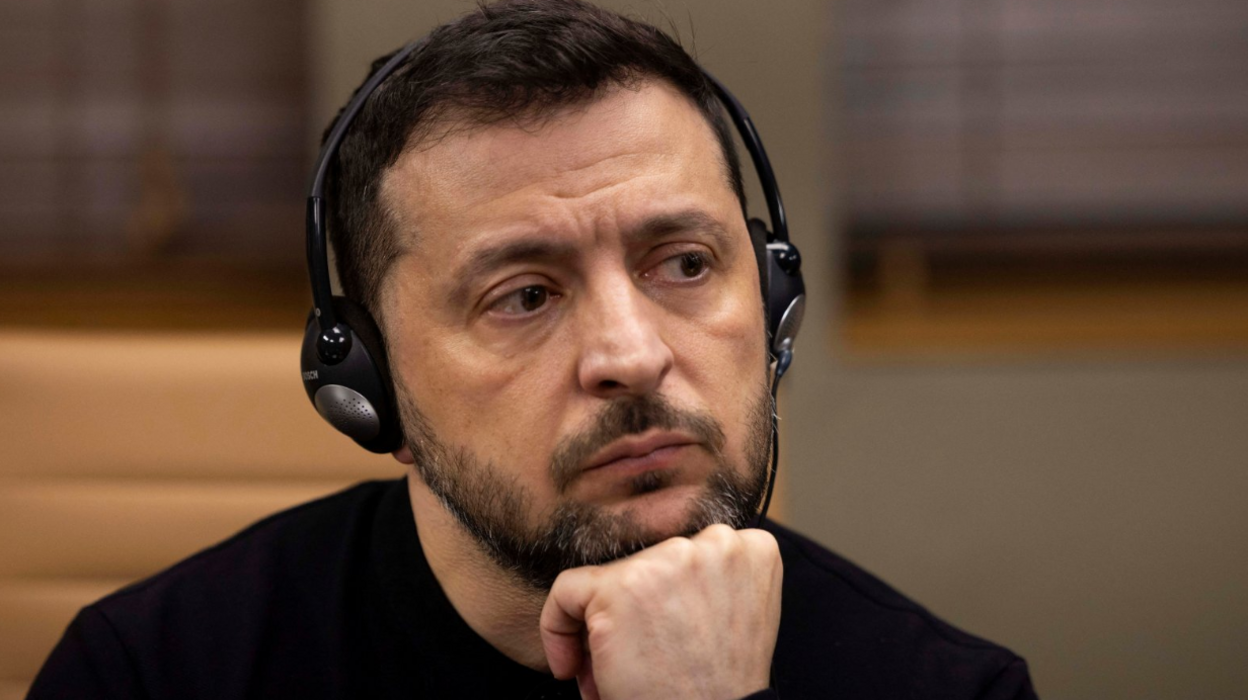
543, 213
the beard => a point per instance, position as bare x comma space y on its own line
493, 507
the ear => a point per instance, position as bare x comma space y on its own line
404, 455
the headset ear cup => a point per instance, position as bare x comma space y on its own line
780, 281
366, 331
356, 396
786, 296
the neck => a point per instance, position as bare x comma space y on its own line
498, 608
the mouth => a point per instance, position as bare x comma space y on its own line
639, 453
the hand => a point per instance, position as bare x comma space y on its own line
687, 618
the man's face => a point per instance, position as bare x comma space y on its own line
575, 330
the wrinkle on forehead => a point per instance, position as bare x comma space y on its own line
433, 177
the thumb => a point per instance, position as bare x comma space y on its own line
562, 623
585, 679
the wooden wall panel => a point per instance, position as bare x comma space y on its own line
169, 406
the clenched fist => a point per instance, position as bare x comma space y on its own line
687, 618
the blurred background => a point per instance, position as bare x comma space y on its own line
1021, 396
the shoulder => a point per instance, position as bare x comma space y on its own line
272, 590
289, 544
844, 631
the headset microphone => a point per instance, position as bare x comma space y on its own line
343, 358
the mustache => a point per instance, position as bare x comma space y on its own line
631, 416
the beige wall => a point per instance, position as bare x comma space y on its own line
1090, 515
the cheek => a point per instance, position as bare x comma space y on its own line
729, 334
722, 352
503, 409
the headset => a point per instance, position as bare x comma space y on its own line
343, 359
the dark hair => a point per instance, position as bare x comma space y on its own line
506, 60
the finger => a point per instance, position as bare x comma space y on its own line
562, 623
761, 542
717, 532
585, 679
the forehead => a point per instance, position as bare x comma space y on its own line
626, 151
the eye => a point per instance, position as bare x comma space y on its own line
687, 266
523, 301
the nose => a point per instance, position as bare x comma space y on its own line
623, 352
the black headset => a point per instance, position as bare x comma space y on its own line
343, 360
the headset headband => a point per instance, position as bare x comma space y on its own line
317, 248
758, 154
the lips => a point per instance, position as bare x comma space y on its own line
637, 446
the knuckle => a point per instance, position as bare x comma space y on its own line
562, 580
761, 541
639, 578
599, 628
570, 577
763, 548
718, 533
679, 549
720, 541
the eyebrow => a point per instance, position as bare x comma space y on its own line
533, 249
486, 260
661, 225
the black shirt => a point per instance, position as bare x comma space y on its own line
334, 599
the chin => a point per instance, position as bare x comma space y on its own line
664, 512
